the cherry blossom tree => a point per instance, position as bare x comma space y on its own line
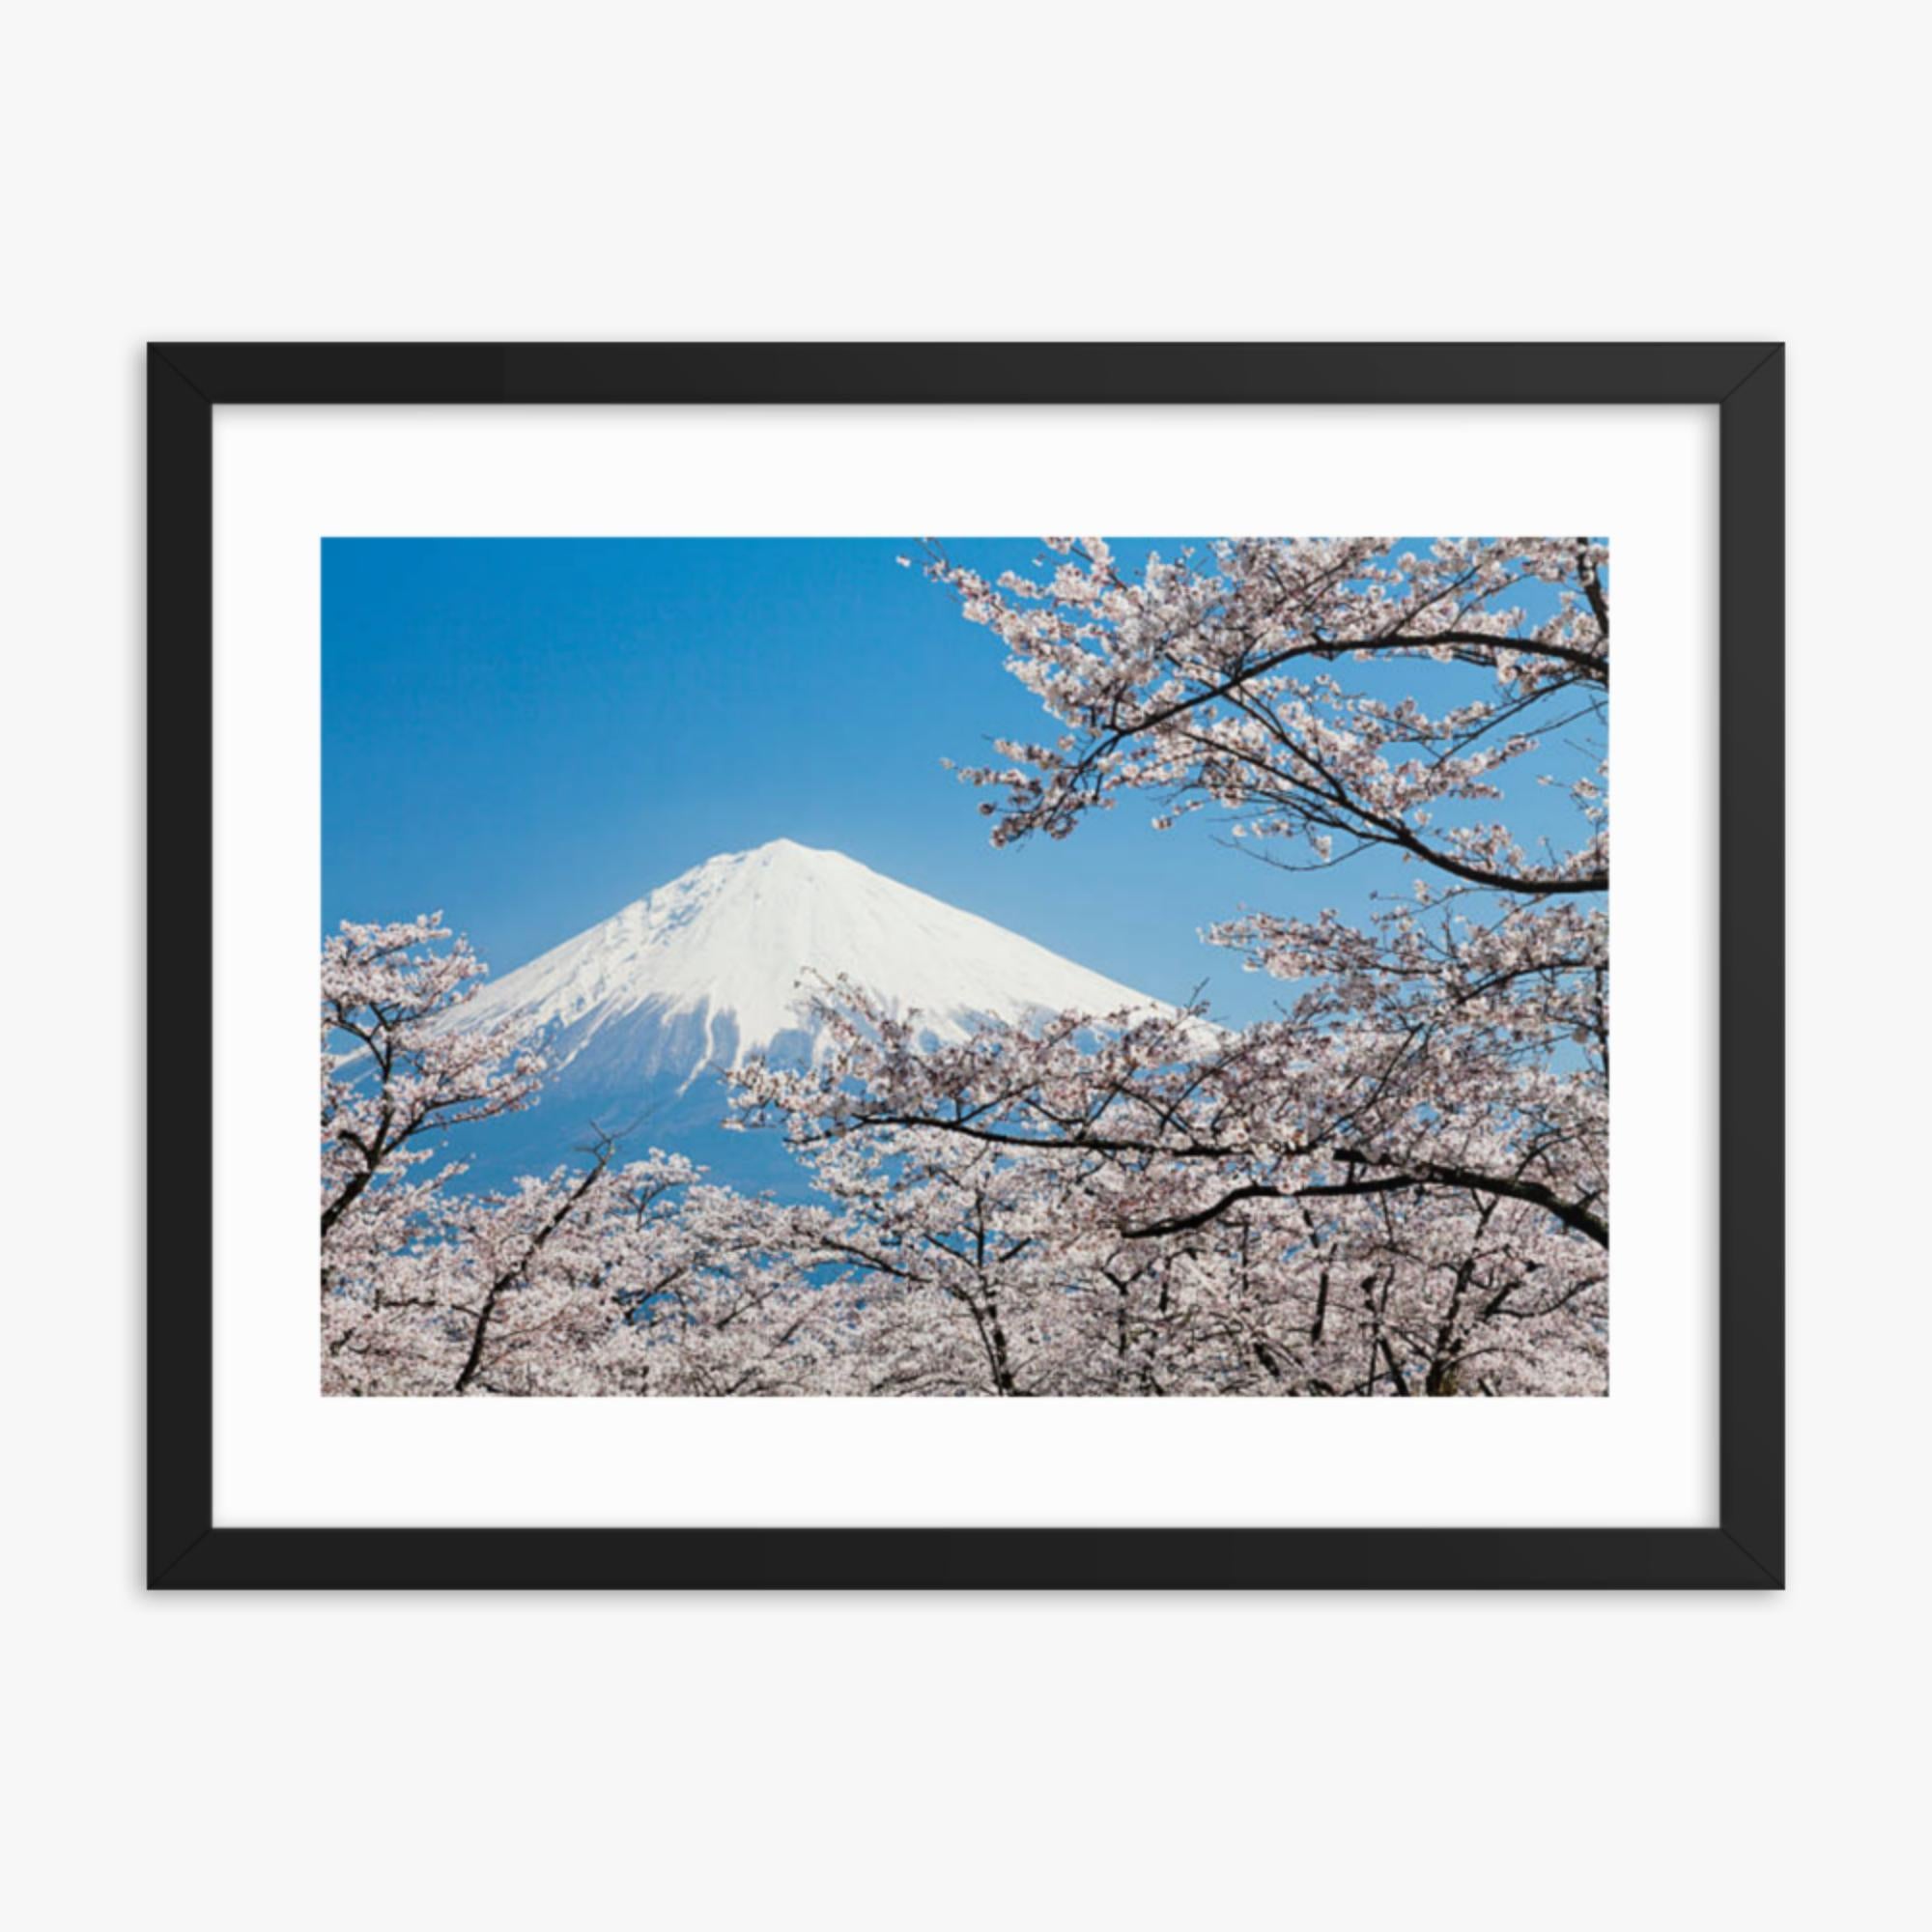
394, 1069
616, 1277
1399, 1185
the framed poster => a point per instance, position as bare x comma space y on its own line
768, 953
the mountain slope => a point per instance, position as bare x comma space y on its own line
638, 1015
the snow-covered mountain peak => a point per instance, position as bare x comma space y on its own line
716, 965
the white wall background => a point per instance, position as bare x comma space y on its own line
1019, 170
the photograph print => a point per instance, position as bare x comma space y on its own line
1157, 966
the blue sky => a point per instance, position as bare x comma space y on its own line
531, 733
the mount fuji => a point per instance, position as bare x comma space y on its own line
639, 1017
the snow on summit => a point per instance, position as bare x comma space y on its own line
708, 970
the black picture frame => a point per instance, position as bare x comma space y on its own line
1745, 381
